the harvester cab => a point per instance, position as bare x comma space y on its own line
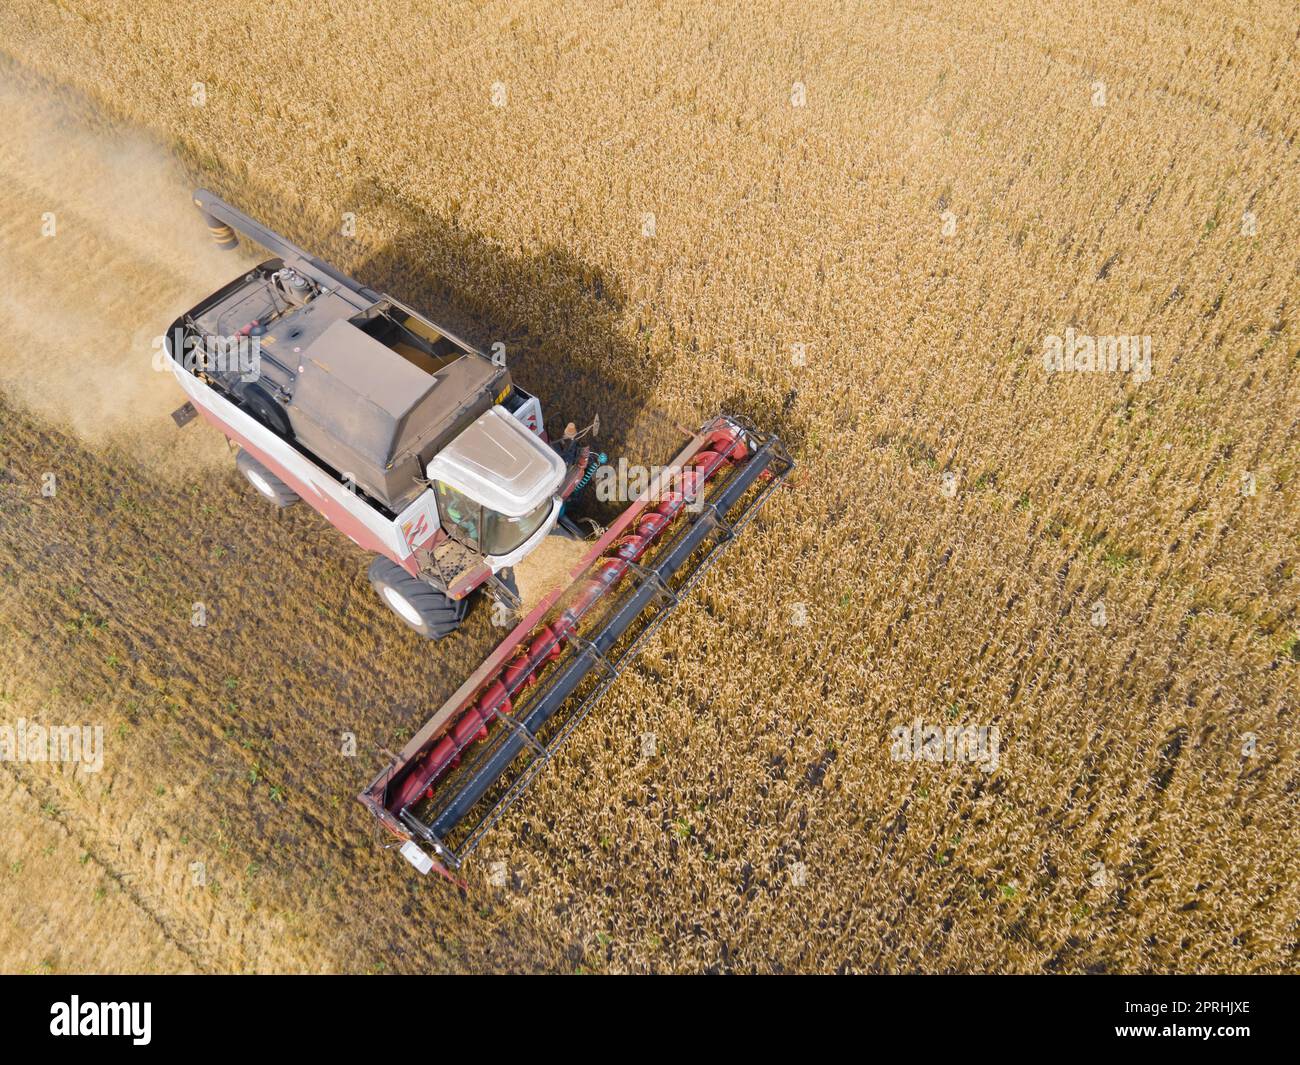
423, 450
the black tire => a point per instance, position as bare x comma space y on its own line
261, 406
421, 607
264, 482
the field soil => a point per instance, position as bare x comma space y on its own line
861, 228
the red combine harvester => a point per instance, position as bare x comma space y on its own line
423, 450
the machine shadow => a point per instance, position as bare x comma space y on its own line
556, 317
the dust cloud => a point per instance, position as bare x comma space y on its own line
100, 250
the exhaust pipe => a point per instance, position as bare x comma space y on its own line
222, 235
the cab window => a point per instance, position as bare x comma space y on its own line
461, 516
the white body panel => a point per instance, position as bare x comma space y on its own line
419, 520
530, 414
332, 492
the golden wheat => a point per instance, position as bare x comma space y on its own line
859, 226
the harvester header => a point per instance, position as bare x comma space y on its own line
476, 755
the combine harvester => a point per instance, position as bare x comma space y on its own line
424, 451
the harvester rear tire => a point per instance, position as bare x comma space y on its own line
424, 609
267, 484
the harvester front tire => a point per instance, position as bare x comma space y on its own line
266, 484
422, 608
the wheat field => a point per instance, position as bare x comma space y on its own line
868, 227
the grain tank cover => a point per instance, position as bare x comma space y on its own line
369, 412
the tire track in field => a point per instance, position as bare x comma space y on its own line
26, 787
96, 587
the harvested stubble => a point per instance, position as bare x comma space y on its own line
950, 193
547, 568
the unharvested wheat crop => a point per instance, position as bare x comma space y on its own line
870, 228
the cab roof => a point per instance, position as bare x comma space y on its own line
501, 464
